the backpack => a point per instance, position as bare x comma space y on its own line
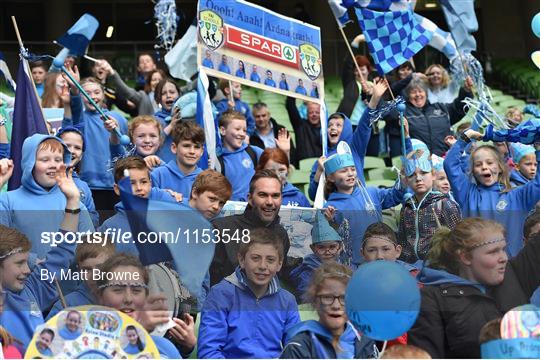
249, 151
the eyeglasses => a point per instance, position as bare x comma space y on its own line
321, 249
329, 299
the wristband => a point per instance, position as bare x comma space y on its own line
464, 137
73, 211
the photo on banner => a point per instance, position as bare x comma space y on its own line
243, 42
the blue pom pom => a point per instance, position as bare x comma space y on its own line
535, 25
401, 107
124, 140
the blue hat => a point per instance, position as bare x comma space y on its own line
322, 231
437, 162
520, 150
187, 104
338, 161
419, 145
76, 129
419, 159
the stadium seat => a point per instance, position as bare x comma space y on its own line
307, 164
371, 162
382, 174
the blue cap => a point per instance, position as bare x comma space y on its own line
322, 231
338, 161
419, 159
520, 150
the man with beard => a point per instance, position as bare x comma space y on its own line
264, 202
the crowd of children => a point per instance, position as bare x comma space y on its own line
467, 228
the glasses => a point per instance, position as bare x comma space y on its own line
329, 299
321, 249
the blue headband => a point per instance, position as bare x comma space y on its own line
527, 348
422, 162
338, 161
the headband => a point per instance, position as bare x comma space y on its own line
104, 286
338, 161
489, 242
12, 252
385, 238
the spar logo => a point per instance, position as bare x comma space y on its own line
310, 60
211, 29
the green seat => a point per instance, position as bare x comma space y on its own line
382, 174
380, 183
372, 162
307, 164
299, 177
396, 161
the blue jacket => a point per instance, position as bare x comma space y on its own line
23, 310
241, 107
120, 222
355, 208
283, 85
239, 170
241, 74
292, 196
430, 276
80, 296
255, 77
208, 63
347, 136
300, 90
171, 177
224, 68
235, 324
164, 152
517, 178
301, 275
99, 152
86, 198
311, 340
67, 334
33, 210
510, 208
166, 348
270, 82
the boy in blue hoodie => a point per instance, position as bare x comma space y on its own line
238, 160
28, 293
179, 174
525, 159
90, 254
241, 106
141, 186
39, 196
246, 315
326, 247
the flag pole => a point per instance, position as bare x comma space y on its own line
26, 65
351, 52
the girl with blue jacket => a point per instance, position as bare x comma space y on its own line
167, 91
488, 193
332, 336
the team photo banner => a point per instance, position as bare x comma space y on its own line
257, 47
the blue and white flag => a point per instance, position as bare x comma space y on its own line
461, 20
205, 119
340, 12
185, 236
528, 133
79, 35
393, 37
4, 70
182, 58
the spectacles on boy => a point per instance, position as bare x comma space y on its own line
329, 299
331, 248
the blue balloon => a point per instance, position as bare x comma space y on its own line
535, 25
382, 300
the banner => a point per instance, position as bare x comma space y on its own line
254, 46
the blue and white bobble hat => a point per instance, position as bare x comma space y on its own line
520, 150
437, 162
338, 161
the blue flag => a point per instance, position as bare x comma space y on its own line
340, 12
186, 237
27, 121
79, 35
393, 37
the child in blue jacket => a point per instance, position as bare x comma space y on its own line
101, 151
326, 246
166, 93
526, 166
488, 193
37, 207
247, 314
179, 173
28, 293
238, 159
74, 140
332, 336
241, 106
